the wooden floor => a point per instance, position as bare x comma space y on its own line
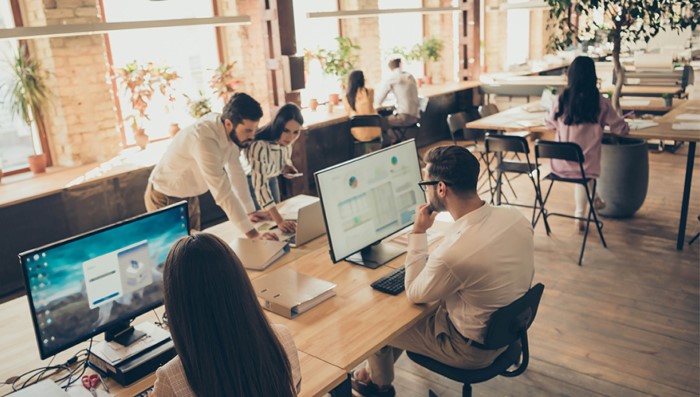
623, 324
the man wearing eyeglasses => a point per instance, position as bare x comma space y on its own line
484, 262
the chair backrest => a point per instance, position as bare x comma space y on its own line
569, 151
370, 120
488, 110
506, 143
509, 323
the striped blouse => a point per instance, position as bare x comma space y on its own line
267, 160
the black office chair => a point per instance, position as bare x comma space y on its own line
568, 151
371, 120
503, 144
457, 124
507, 326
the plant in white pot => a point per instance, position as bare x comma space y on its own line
28, 94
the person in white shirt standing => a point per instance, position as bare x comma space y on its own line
485, 262
405, 89
205, 157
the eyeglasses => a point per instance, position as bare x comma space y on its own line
424, 184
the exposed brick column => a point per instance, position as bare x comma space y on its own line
495, 36
81, 122
440, 26
365, 33
244, 44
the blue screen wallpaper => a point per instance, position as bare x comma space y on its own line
82, 285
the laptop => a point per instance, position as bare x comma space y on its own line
309, 225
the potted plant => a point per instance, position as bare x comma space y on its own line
28, 94
141, 82
430, 52
625, 21
223, 81
198, 107
338, 63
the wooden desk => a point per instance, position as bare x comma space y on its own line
648, 105
18, 354
510, 120
647, 90
665, 131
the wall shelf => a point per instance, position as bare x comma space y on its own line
375, 13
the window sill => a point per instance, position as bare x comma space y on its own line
22, 187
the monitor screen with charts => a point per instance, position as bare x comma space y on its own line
87, 284
369, 198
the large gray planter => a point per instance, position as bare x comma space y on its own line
624, 176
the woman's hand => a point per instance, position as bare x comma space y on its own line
287, 226
290, 171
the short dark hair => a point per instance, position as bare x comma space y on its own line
241, 107
394, 63
273, 130
456, 165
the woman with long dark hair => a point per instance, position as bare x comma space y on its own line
359, 100
579, 115
225, 345
269, 156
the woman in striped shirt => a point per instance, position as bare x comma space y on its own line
270, 155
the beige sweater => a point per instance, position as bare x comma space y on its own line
172, 381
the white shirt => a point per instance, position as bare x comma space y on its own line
202, 157
405, 89
485, 262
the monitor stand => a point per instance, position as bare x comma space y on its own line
376, 255
124, 334
128, 363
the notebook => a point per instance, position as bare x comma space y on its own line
290, 293
309, 225
256, 254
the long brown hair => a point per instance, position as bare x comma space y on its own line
224, 340
580, 101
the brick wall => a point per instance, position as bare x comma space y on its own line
365, 33
495, 36
81, 122
440, 26
244, 44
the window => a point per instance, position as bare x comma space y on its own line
17, 139
391, 37
313, 34
190, 51
518, 35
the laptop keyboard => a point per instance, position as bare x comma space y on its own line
392, 283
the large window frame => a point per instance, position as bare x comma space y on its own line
218, 33
38, 129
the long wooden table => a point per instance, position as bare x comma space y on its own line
665, 131
332, 338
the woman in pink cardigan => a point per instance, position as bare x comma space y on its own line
579, 115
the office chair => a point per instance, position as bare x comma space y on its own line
371, 120
402, 130
500, 144
571, 152
457, 124
507, 326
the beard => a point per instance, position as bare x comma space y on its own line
237, 141
436, 205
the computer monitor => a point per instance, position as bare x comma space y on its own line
101, 280
367, 199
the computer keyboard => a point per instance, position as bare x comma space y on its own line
392, 283
145, 392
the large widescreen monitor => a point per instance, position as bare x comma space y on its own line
101, 280
367, 199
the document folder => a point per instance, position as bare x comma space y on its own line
258, 254
289, 293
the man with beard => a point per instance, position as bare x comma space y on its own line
485, 262
205, 156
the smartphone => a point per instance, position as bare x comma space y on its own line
298, 174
